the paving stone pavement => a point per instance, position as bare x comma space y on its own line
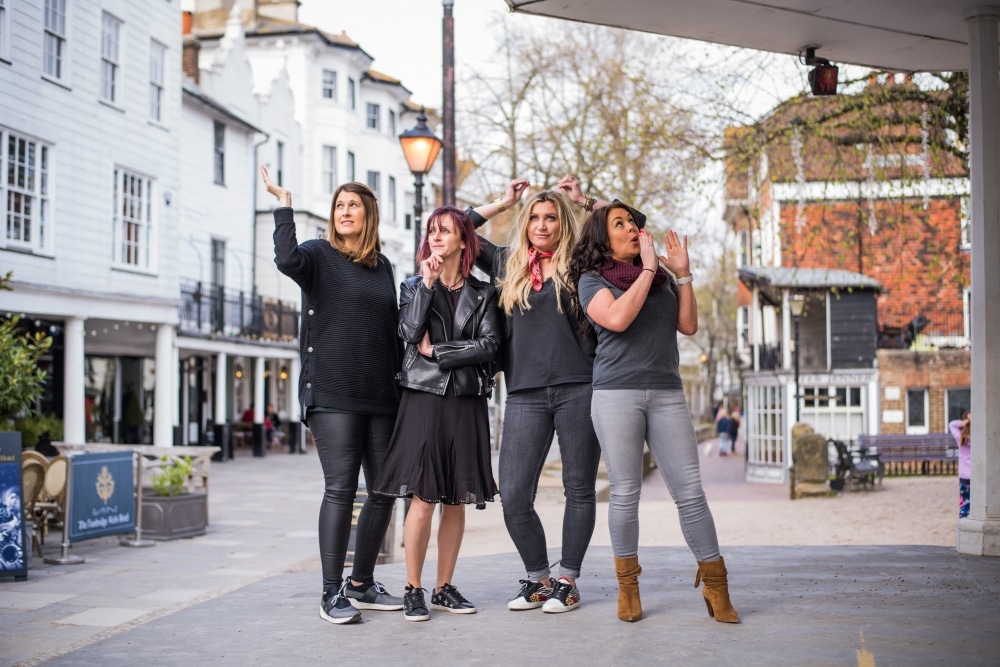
247, 593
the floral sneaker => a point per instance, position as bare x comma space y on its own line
533, 594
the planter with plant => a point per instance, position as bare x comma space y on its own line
172, 511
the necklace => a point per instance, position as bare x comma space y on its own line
455, 285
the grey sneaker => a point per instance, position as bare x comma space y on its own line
373, 597
335, 608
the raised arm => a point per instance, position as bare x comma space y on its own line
678, 262
288, 256
570, 184
618, 314
511, 195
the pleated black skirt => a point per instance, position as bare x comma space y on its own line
440, 450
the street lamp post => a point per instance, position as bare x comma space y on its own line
420, 148
797, 304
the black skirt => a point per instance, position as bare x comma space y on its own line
440, 450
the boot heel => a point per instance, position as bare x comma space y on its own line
711, 612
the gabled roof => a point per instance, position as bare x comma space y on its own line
379, 77
192, 91
271, 27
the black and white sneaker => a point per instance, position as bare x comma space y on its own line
414, 607
373, 597
449, 599
533, 594
337, 609
565, 597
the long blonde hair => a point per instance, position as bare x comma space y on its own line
516, 285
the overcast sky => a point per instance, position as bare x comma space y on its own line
404, 36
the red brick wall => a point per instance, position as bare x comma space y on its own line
915, 254
935, 371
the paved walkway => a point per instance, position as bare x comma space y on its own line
247, 594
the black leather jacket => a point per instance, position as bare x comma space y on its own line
463, 353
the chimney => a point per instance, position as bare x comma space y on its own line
186, 20
189, 59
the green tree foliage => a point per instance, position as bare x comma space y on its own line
21, 380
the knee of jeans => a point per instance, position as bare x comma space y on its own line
624, 498
517, 508
339, 495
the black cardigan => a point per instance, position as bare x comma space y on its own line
347, 340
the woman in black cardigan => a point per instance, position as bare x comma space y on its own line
440, 450
347, 387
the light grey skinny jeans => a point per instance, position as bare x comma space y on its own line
623, 420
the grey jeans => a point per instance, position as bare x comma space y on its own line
624, 419
530, 419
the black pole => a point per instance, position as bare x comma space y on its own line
448, 103
418, 210
797, 419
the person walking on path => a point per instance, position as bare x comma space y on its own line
347, 387
960, 429
637, 310
548, 367
440, 447
734, 428
722, 425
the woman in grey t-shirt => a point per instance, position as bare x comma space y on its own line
637, 309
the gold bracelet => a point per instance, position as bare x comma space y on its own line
589, 206
499, 204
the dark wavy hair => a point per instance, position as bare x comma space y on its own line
465, 227
590, 253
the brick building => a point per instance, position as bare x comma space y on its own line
856, 204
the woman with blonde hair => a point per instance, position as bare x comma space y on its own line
548, 367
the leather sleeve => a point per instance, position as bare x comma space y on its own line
481, 349
414, 304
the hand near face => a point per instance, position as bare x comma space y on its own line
431, 269
283, 195
676, 259
647, 251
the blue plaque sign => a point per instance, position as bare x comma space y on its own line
13, 551
102, 495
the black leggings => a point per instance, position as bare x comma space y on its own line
348, 443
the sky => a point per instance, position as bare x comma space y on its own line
404, 36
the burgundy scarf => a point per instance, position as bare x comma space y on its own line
535, 267
622, 275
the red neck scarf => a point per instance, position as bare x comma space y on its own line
535, 267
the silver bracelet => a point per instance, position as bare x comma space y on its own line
685, 280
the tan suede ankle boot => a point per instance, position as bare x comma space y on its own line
628, 571
716, 590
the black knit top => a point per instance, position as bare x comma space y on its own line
347, 341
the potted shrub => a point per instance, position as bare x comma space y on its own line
172, 511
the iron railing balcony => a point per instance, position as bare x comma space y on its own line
215, 310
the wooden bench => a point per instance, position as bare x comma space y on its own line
930, 454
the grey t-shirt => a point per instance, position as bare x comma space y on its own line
644, 356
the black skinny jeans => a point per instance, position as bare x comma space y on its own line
348, 443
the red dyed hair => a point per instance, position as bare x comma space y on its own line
464, 226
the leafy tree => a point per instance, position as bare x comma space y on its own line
21, 380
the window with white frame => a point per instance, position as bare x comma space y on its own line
55, 38
111, 29
392, 123
157, 54
957, 403
350, 166
392, 196
837, 412
4, 31
373, 118
966, 221
329, 170
352, 101
132, 222
374, 178
219, 134
916, 412
743, 326
25, 191
329, 85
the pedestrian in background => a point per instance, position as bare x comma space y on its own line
637, 310
960, 429
548, 368
440, 448
722, 424
347, 387
734, 427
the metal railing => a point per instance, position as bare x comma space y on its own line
768, 356
939, 327
211, 309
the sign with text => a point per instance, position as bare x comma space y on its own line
13, 550
102, 495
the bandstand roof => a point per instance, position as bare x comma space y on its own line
782, 277
895, 35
